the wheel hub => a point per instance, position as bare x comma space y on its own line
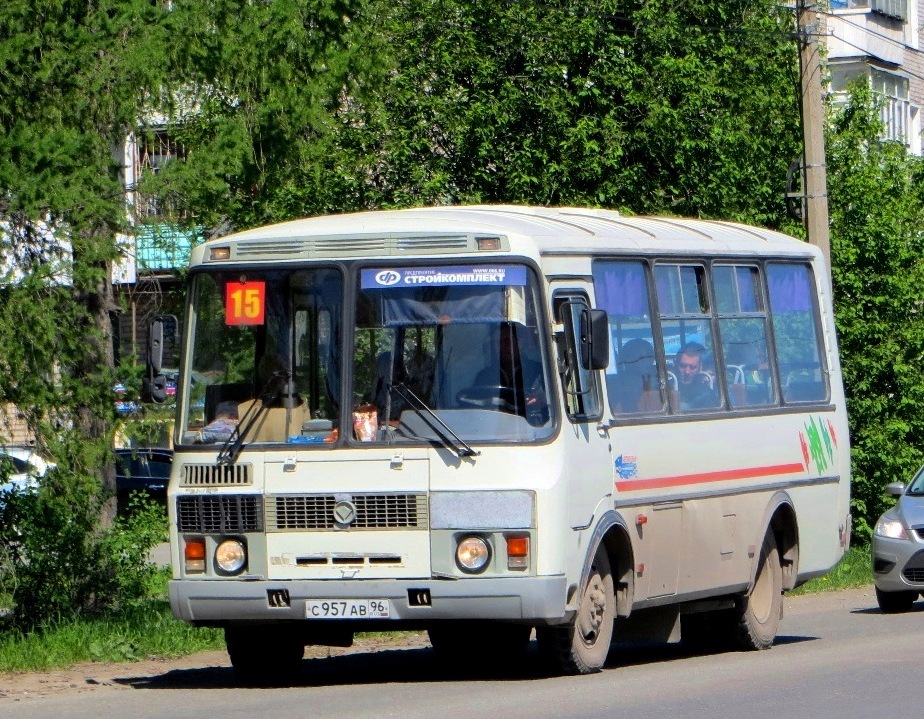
593, 608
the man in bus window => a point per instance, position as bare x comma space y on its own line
222, 426
694, 385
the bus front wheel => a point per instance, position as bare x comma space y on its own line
759, 611
582, 646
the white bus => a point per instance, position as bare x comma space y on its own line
483, 421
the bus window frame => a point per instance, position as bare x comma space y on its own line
724, 409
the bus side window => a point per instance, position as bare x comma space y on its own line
633, 383
795, 330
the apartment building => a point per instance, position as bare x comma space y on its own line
879, 41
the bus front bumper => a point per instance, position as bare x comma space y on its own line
512, 599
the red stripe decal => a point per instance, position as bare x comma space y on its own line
704, 477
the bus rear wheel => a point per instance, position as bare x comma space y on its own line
263, 653
582, 646
759, 611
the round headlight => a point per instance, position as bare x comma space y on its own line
473, 554
230, 556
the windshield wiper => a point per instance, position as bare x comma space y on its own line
454, 442
231, 447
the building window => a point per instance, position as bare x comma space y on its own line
891, 8
155, 149
896, 111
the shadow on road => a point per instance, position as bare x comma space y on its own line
414, 665
380, 667
915, 608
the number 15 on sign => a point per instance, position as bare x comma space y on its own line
245, 303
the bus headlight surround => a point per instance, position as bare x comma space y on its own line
473, 554
231, 556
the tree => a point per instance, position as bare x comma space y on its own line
647, 106
877, 245
76, 78
262, 86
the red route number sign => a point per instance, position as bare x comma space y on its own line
245, 303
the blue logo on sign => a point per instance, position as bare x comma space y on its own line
387, 278
626, 466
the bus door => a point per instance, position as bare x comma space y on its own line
587, 448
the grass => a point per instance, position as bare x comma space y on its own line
139, 633
151, 631
854, 570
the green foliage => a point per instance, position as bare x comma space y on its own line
645, 106
877, 215
76, 79
136, 632
266, 81
55, 562
855, 569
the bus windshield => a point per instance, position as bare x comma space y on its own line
449, 349
265, 357
443, 352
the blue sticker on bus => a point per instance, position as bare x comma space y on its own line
497, 275
626, 466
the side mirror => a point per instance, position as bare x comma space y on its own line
595, 339
895, 489
156, 346
154, 386
154, 389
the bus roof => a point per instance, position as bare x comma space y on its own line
524, 230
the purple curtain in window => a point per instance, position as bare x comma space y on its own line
790, 288
620, 288
747, 295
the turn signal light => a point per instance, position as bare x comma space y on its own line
517, 552
194, 554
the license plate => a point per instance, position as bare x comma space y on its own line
347, 609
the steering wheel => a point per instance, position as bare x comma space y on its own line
488, 396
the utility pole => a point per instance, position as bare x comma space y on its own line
813, 138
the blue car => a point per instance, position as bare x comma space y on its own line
142, 470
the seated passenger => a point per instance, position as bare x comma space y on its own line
694, 386
222, 426
635, 387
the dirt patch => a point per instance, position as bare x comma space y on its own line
92, 676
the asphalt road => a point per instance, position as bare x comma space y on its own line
836, 656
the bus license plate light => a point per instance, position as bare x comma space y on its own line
348, 609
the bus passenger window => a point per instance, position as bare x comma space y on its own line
633, 383
792, 304
686, 328
743, 326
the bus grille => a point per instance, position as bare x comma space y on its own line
231, 513
216, 475
373, 511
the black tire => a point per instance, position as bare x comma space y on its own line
895, 602
478, 643
759, 611
582, 646
263, 653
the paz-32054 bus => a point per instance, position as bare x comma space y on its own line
484, 421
